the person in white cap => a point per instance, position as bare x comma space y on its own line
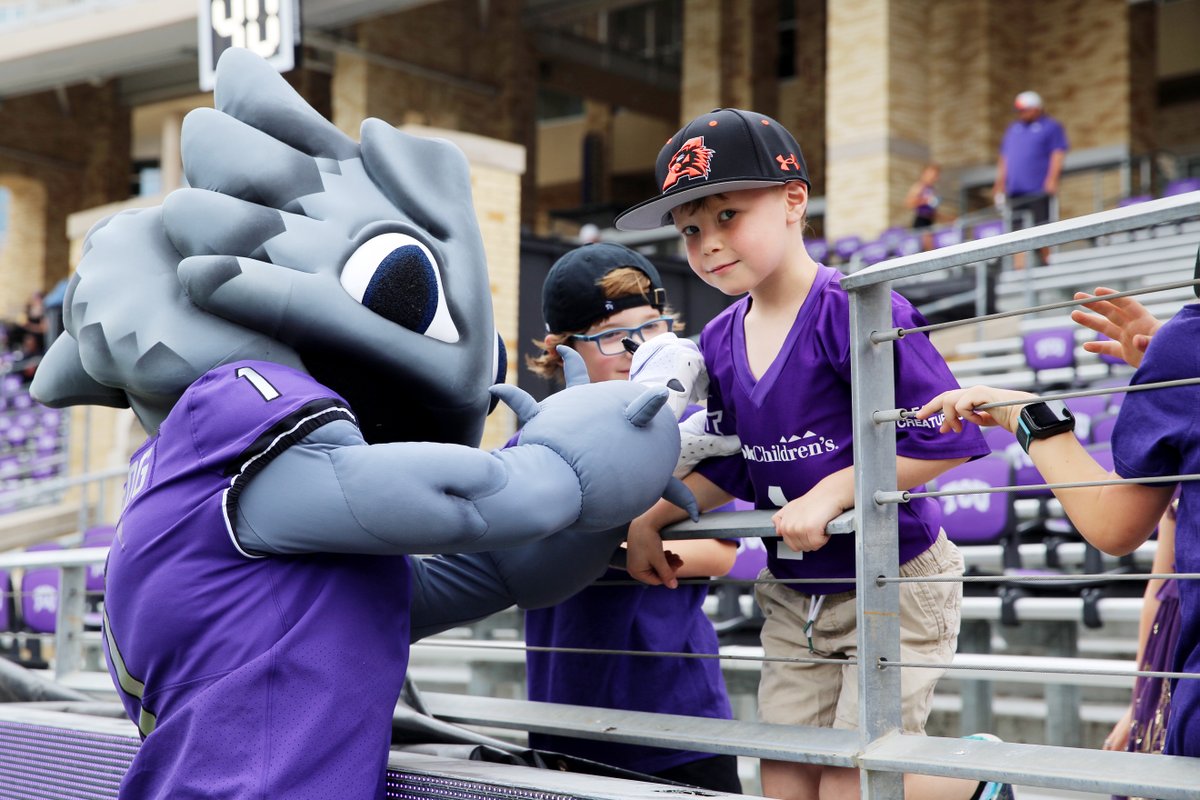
1030, 164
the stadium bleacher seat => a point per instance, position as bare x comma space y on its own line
1049, 348
39, 594
947, 236
1102, 428
872, 253
1181, 186
1134, 200
818, 249
99, 536
909, 244
993, 227
974, 519
846, 247
1086, 410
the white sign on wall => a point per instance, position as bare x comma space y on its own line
269, 28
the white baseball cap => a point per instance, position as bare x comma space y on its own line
1027, 100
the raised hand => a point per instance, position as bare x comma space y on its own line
1128, 324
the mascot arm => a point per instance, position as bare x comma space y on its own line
332, 492
454, 590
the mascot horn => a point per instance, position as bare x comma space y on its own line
307, 339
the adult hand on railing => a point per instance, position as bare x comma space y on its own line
1128, 324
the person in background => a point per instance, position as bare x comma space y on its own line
595, 297
1029, 167
923, 200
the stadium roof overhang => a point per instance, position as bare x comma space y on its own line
98, 40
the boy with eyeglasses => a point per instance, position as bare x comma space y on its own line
595, 297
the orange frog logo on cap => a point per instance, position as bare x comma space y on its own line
693, 160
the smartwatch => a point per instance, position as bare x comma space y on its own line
1043, 420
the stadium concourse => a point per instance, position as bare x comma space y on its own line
1041, 662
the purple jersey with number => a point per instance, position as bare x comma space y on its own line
1027, 147
795, 422
628, 617
249, 676
1158, 434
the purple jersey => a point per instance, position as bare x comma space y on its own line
1158, 434
795, 422
248, 676
644, 618
1026, 148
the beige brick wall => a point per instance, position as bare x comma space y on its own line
58, 153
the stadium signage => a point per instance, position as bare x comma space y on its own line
268, 28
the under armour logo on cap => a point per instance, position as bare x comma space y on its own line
789, 163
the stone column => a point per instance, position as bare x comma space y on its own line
876, 113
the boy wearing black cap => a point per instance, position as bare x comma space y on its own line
735, 185
594, 297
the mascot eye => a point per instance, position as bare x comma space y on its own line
397, 277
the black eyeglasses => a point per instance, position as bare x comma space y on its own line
609, 341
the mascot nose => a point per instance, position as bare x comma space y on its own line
404, 289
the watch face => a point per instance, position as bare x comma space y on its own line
1048, 414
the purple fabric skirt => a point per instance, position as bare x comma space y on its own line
1152, 696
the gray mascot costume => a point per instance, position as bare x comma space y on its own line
307, 338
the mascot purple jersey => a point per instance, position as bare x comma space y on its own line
306, 336
241, 662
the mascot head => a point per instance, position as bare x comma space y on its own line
359, 262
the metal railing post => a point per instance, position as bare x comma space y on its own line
877, 545
68, 629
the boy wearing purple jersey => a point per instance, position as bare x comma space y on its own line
735, 185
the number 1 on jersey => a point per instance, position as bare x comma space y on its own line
261, 384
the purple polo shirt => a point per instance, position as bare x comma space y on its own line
1158, 434
1026, 148
795, 423
249, 676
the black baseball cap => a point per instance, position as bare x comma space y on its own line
572, 299
722, 151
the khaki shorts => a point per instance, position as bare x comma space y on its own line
826, 695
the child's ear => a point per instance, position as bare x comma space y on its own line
795, 194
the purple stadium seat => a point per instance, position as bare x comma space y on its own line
1133, 200
6, 605
39, 594
946, 237
11, 384
873, 252
100, 536
846, 247
16, 436
977, 518
909, 244
1086, 410
1051, 348
51, 418
1003, 442
892, 238
993, 227
1182, 185
751, 559
818, 249
22, 400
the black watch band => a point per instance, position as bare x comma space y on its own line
1041, 421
